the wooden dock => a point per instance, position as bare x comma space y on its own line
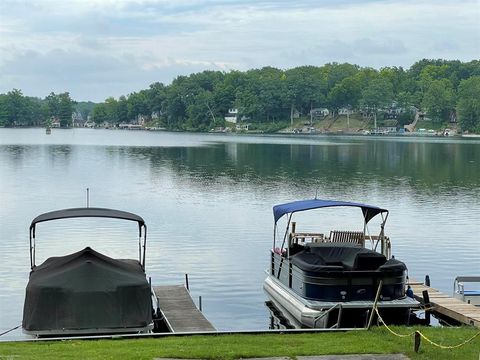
180, 311
448, 306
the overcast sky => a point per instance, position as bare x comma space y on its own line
100, 48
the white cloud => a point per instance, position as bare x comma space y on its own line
97, 48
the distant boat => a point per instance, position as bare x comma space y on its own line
48, 130
324, 281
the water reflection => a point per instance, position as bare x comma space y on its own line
60, 154
207, 201
421, 166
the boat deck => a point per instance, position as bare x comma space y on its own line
448, 306
180, 311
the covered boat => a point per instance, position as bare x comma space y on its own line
332, 280
87, 292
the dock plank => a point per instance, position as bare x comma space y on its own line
447, 305
180, 311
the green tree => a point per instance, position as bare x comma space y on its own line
137, 105
468, 106
346, 93
438, 100
111, 111
156, 96
84, 108
3, 110
100, 114
306, 88
15, 108
122, 110
337, 72
378, 93
53, 105
65, 109
199, 112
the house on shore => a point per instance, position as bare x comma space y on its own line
319, 112
232, 116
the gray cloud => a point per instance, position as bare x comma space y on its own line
96, 49
86, 77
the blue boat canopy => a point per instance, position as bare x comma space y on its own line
368, 211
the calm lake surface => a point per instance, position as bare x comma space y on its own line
207, 200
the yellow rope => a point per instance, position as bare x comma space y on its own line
393, 332
423, 336
449, 347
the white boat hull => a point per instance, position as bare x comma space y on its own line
316, 314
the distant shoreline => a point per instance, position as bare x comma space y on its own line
283, 133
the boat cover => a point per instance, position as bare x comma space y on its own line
279, 210
87, 290
325, 257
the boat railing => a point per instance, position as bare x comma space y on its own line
301, 238
459, 285
336, 236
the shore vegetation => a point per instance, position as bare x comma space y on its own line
444, 92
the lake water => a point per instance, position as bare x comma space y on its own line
207, 200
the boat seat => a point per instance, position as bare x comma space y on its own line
355, 237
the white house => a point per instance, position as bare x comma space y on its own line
232, 116
344, 111
320, 112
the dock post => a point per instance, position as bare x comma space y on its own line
186, 282
427, 280
417, 341
200, 303
426, 303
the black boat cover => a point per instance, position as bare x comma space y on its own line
87, 290
325, 257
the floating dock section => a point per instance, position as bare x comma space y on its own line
447, 306
181, 314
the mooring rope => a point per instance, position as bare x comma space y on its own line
451, 346
6, 332
424, 336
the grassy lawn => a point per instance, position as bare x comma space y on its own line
244, 346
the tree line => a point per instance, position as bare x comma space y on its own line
19, 110
269, 96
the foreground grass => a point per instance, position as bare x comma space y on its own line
377, 341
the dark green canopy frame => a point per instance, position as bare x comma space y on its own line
91, 212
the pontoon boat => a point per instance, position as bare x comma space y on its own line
332, 280
87, 292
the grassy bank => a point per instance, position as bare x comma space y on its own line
244, 346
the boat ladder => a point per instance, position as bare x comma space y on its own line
326, 313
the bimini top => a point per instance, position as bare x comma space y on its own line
86, 212
369, 211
